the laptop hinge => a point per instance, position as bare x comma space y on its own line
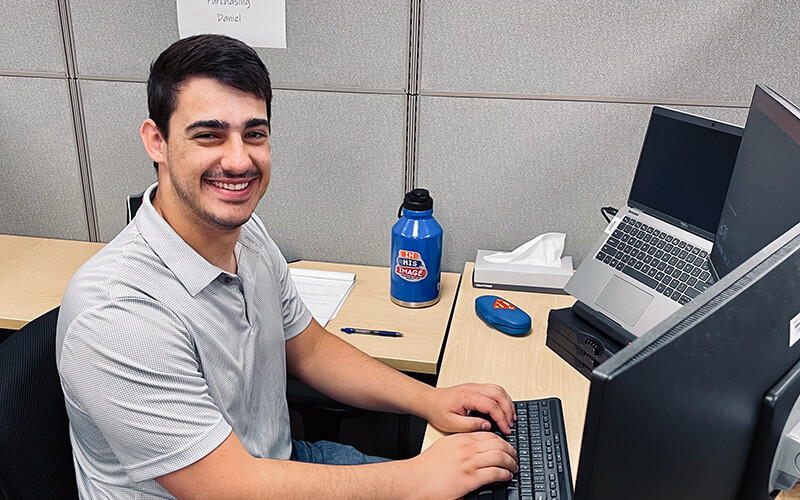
634, 211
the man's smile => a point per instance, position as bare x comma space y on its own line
230, 186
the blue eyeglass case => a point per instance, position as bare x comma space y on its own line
502, 314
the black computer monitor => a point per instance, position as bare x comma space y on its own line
763, 197
678, 414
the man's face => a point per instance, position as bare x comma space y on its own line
217, 164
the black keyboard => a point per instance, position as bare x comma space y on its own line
541, 444
665, 263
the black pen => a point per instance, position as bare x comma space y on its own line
382, 333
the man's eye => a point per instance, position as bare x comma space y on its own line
256, 135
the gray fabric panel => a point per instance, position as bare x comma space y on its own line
30, 33
504, 171
711, 50
42, 193
337, 175
359, 44
119, 164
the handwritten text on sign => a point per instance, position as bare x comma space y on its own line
258, 23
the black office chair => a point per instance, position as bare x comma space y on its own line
35, 451
322, 416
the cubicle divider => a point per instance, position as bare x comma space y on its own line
520, 117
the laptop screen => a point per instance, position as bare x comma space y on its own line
684, 169
763, 201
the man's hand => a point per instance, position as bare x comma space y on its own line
447, 408
457, 464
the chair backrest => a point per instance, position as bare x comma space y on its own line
134, 202
35, 451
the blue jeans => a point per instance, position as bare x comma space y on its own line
327, 452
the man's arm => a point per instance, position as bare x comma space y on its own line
334, 367
450, 468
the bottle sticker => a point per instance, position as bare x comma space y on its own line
410, 266
794, 330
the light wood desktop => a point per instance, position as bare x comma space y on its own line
369, 306
523, 365
34, 272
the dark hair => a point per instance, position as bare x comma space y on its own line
219, 57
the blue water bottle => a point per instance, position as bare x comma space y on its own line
416, 252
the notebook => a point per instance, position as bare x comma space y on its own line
653, 256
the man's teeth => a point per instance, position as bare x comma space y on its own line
231, 187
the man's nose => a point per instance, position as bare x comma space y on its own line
235, 158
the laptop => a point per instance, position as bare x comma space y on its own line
653, 257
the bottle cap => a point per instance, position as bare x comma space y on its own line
418, 200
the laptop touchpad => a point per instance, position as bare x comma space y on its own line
623, 300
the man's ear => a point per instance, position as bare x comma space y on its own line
153, 141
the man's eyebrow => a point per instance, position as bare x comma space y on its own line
256, 122
215, 124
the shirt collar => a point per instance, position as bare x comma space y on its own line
192, 270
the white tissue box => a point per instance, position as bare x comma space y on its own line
520, 277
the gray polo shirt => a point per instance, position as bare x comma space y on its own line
161, 354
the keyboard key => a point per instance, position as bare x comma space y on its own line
635, 274
600, 256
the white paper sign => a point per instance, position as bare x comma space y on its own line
258, 23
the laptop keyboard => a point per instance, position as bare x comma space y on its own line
665, 263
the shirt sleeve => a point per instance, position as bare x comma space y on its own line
129, 366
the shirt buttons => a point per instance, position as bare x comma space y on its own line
228, 280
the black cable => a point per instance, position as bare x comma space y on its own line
608, 212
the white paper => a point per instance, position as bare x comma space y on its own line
258, 23
323, 292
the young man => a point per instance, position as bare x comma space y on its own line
174, 341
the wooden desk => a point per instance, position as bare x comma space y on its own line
34, 273
524, 366
369, 306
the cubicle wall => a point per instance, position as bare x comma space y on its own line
521, 117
